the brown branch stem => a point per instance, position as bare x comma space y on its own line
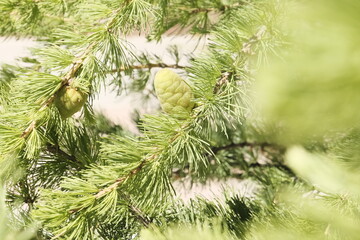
56, 150
246, 49
253, 39
246, 144
213, 9
262, 146
136, 211
277, 165
149, 66
120, 180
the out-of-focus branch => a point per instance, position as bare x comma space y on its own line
148, 66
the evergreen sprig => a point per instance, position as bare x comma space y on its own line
143, 177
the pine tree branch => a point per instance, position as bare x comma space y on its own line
139, 215
256, 37
262, 146
56, 150
77, 65
278, 165
247, 144
117, 182
136, 211
28, 130
120, 180
25, 187
225, 76
115, 185
222, 81
198, 10
221, 9
148, 66
66, 80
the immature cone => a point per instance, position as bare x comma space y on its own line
174, 94
69, 101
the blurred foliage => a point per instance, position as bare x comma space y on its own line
13, 228
311, 91
313, 88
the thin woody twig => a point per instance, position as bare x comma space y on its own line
28, 129
255, 38
56, 150
149, 66
262, 146
278, 165
246, 144
136, 211
245, 49
221, 9
223, 80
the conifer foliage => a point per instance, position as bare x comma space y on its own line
271, 99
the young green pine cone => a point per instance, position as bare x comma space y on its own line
174, 94
69, 101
